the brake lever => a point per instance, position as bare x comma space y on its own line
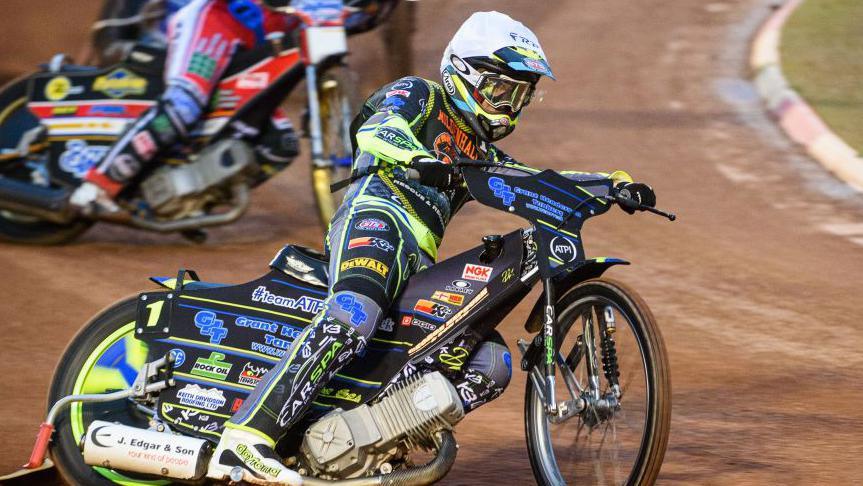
633, 204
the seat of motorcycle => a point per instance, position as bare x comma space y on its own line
303, 263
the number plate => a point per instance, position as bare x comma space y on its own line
322, 42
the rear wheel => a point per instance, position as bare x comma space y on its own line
337, 93
103, 357
15, 121
619, 377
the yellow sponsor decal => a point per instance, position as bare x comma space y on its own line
448, 297
64, 110
119, 83
370, 263
58, 88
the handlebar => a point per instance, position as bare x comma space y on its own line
630, 203
616, 196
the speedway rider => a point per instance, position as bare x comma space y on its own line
389, 227
203, 36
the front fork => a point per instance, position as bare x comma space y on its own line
544, 377
315, 131
548, 336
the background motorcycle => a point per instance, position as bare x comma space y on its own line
183, 359
57, 123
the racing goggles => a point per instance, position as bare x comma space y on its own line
502, 92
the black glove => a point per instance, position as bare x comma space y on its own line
433, 172
637, 192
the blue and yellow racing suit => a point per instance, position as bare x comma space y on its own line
388, 228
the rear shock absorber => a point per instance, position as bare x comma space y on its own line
609, 350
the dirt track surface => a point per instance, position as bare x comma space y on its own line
756, 287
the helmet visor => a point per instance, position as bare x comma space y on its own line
501, 91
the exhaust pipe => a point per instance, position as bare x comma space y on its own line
127, 448
32, 200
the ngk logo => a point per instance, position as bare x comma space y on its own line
476, 272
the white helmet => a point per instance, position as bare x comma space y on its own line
490, 69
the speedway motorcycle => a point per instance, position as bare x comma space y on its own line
59, 122
145, 388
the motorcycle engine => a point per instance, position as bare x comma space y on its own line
345, 444
168, 189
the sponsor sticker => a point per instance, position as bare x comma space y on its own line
79, 157
254, 81
238, 402
106, 110
120, 83
144, 145
371, 224
209, 325
349, 304
251, 374
369, 263
205, 398
424, 325
501, 190
371, 241
58, 88
309, 305
407, 320
538, 66
398, 92
448, 84
386, 325
563, 249
179, 357
476, 272
163, 128
460, 286
432, 309
66, 110
449, 298
124, 167
213, 367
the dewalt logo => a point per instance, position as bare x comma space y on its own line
370, 263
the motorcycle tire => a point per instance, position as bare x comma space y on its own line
567, 463
104, 356
15, 120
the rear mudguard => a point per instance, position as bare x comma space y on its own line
587, 270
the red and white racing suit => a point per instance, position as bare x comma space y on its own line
203, 38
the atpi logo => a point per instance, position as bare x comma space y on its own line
563, 249
476, 272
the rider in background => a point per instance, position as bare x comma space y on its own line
390, 225
203, 38
123, 24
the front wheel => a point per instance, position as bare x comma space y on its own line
612, 366
104, 357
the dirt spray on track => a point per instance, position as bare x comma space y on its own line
756, 287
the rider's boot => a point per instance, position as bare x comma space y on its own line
248, 457
286, 391
92, 200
